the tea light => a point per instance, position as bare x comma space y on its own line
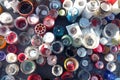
109, 57
2, 55
12, 37
71, 64
27, 67
57, 70
41, 61
12, 48
2, 42
33, 19
34, 77
31, 53
57, 47
36, 41
21, 57
21, 23
11, 58
12, 69
48, 37
52, 60
49, 22
45, 49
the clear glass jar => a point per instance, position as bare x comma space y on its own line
12, 69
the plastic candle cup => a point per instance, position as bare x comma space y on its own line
24, 38
21, 23
45, 49
25, 8
48, 37
27, 67
49, 22
57, 70
71, 64
34, 77
12, 48
33, 19
40, 29
41, 61
36, 41
21, 57
31, 53
2, 55
52, 60
2, 42
11, 58
57, 47
71, 51
12, 69
11, 37
8, 77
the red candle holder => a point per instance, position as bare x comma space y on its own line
12, 48
21, 57
67, 75
34, 77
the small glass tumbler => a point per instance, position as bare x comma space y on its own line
57, 70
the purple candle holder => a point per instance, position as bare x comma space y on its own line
2, 55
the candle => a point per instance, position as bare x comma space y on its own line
11, 58
21, 23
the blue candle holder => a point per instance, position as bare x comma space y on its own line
109, 75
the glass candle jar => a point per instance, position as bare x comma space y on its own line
52, 60
57, 70
41, 61
24, 38
8, 77
27, 67
36, 40
2, 55
49, 22
34, 77
42, 11
33, 19
48, 37
12, 48
11, 58
25, 8
2, 42
31, 53
11, 37
21, 57
40, 29
12, 69
45, 49
57, 47
21, 23
71, 64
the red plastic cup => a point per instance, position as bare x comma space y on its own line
21, 57
11, 48
34, 77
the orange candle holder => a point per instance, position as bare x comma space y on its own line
2, 42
